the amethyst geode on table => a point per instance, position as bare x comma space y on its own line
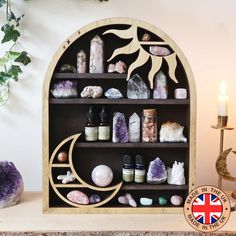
64, 89
157, 172
11, 184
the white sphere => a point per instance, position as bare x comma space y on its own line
102, 175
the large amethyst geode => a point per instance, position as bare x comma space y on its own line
157, 172
11, 184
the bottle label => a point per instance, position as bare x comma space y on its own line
91, 133
103, 132
128, 175
139, 176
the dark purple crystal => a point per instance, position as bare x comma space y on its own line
120, 130
11, 184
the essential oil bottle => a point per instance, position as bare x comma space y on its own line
104, 127
91, 129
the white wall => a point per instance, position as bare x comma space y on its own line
205, 30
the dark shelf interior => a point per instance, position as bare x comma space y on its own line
68, 117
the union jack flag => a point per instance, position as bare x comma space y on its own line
207, 208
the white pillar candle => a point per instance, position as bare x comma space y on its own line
223, 101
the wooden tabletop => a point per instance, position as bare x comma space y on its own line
27, 216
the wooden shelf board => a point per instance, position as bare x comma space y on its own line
89, 76
129, 145
69, 186
133, 186
153, 43
60, 165
119, 101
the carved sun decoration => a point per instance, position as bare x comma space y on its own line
143, 56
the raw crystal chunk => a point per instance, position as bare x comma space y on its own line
120, 131
119, 67
69, 177
91, 92
172, 132
113, 93
11, 184
157, 173
134, 128
176, 174
96, 55
137, 89
64, 89
160, 90
81, 62
159, 51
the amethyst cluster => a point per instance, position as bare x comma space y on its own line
65, 89
157, 172
120, 130
11, 184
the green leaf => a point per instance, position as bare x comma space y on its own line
3, 61
10, 33
12, 55
23, 58
2, 2
4, 76
14, 71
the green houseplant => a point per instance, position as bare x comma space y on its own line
14, 58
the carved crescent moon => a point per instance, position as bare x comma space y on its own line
221, 166
113, 190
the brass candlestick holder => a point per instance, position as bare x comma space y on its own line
222, 126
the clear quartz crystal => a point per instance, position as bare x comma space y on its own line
137, 89
96, 55
134, 128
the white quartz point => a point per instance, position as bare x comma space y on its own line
96, 63
81, 62
134, 128
175, 175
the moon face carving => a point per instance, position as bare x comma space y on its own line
221, 165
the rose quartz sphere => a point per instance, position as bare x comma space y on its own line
102, 175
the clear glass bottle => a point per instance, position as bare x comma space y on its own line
128, 169
140, 171
149, 126
91, 129
104, 127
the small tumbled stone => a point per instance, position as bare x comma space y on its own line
78, 197
123, 200
62, 157
162, 201
131, 200
146, 201
94, 198
146, 37
176, 200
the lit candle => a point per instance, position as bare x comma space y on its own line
223, 101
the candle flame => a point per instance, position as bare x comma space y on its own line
223, 88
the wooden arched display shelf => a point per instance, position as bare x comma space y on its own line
64, 119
